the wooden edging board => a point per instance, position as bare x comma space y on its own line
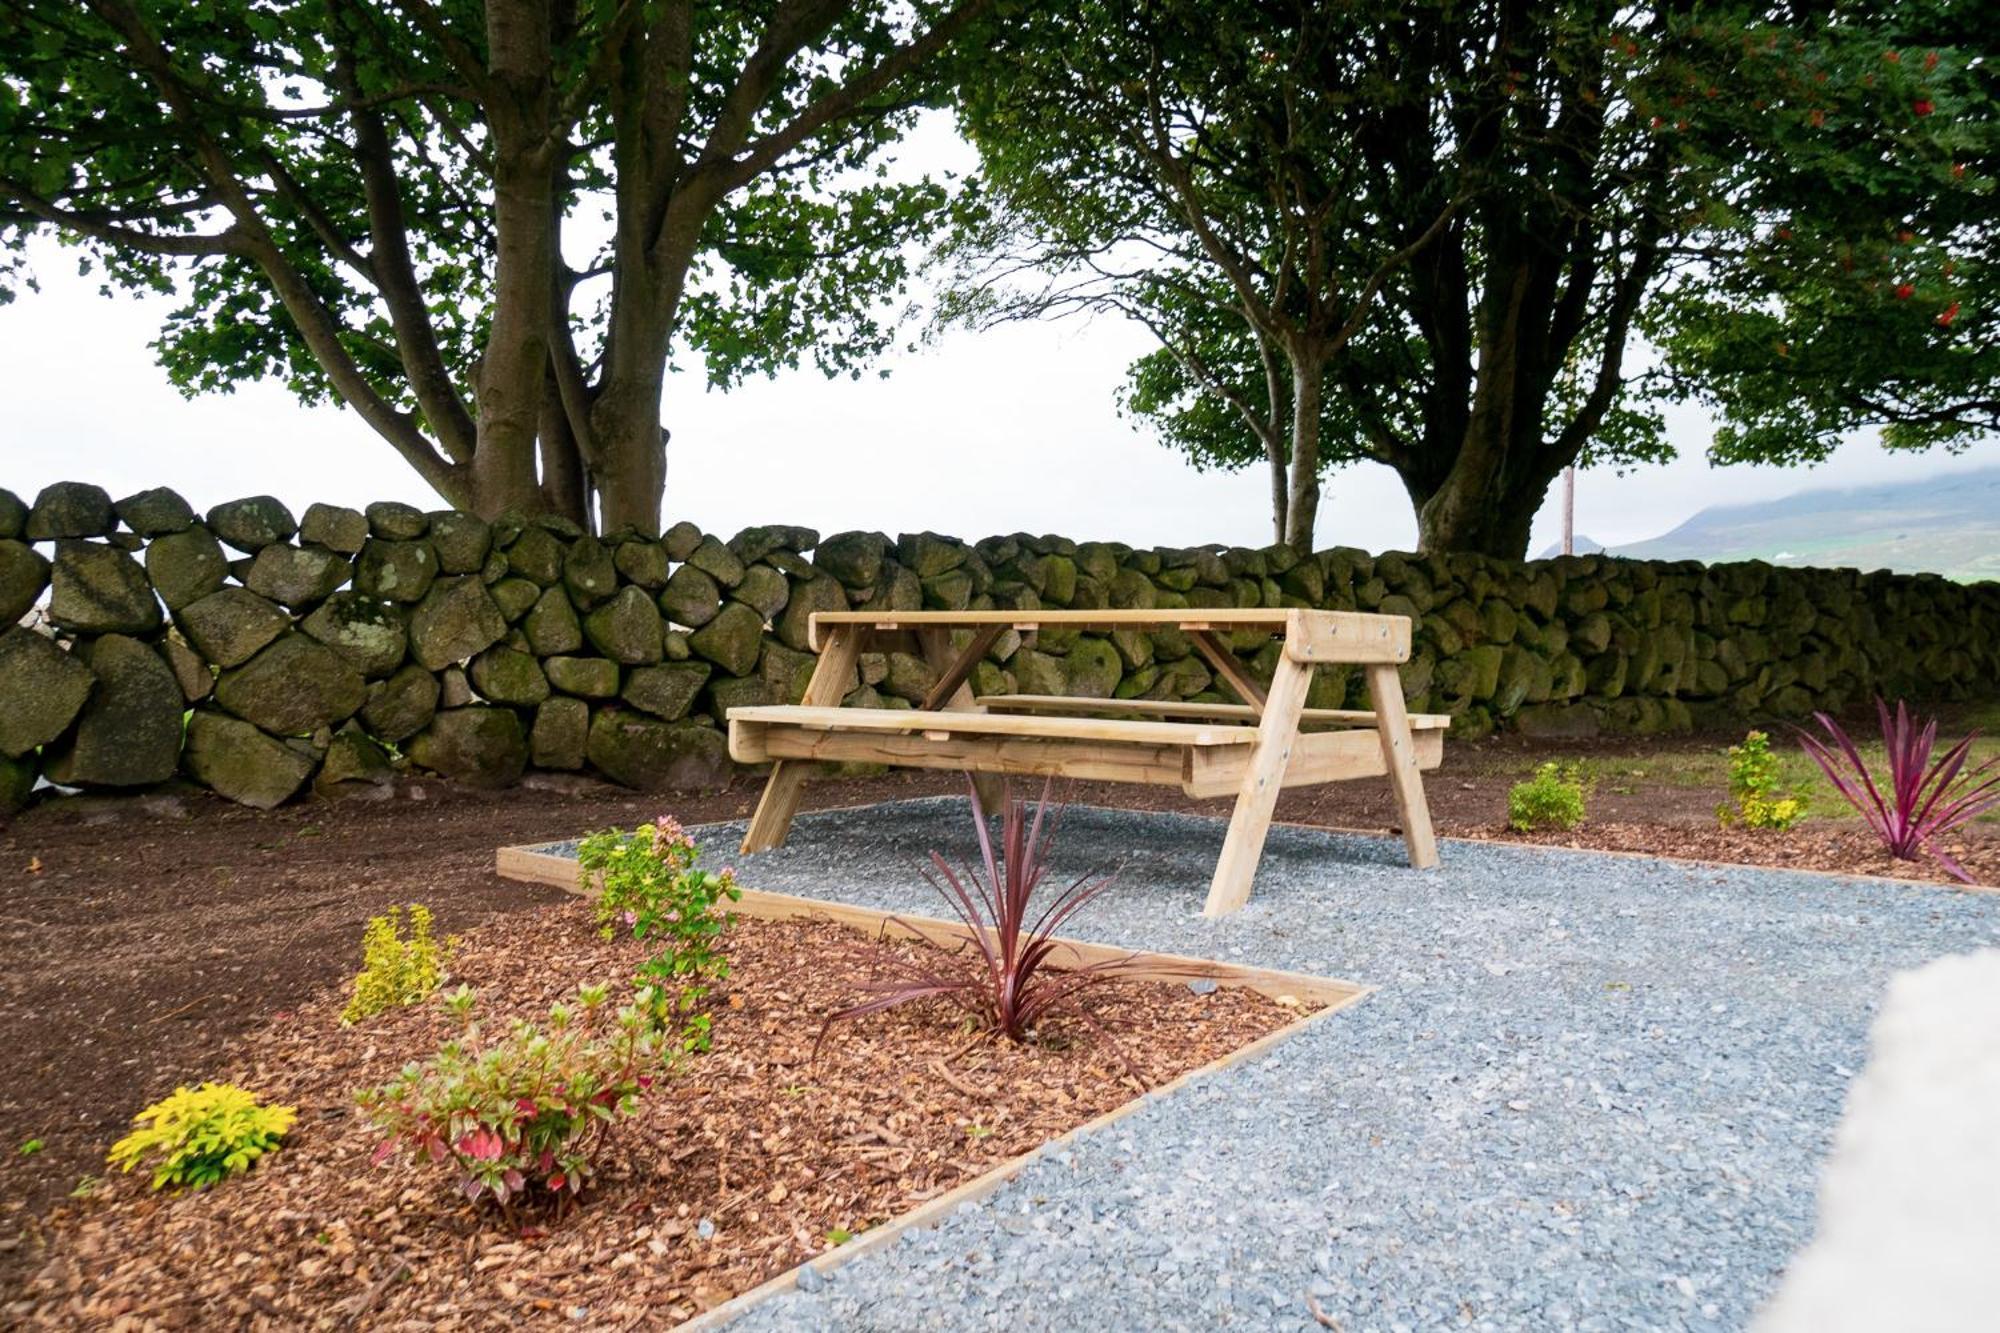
528, 865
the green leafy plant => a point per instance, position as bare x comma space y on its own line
1753, 787
1552, 798
653, 885
527, 1111
31, 1147
395, 970
196, 1137
1919, 801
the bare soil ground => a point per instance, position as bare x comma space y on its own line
769, 1149
142, 938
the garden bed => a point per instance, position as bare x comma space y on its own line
756, 1158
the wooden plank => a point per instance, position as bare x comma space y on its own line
1317, 758
995, 724
1385, 691
1257, 797
530, 866
952, 679
1347, 636
1230, 668
752, 742
952, 669
1172, 708
782, 790
1271, 618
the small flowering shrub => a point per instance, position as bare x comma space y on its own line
654, 887
394, 970
198, 1136
525, 1112
1553, 798
1753, 786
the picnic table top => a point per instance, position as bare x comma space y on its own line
1278, 619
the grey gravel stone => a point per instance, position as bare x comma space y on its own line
1590, 1092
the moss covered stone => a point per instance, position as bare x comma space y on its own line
590, 573
293, 687
156, 512
731, 640
23, 575
667, 691
186, 566
99, 589
560, 734
476, 745
399, 707
691, 598
586, 677
335, 527
632, 748
626, 629
234, 759
374, 636
300, 577
456, 619
553, 628
45, 690
252, 523
230, 627
67, 509
506, 676
400, 571
128, 733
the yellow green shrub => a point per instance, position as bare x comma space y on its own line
196, 1137
395, 970
1753, 786
1552, 798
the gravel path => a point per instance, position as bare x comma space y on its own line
1590, 1093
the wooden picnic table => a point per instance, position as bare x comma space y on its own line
1255, 748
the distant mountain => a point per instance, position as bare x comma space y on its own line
1584, 546
1948, 526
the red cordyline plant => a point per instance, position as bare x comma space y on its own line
1010, 984
1924, 800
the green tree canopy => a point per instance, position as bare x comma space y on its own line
1600, 170
486, 227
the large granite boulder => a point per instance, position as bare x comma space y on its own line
552, 627
397, 571
300, 577
854, 558
45, 690
129, 732
813, 595
67, 509
232, 758
536, 555
590, 572
252, 523
666, 691
642, 562
462, 541
392, 520
644, 752
456, 619
155, 513
508, 676
23, 575
99, 589
353, 762
401, 706
690, 598
586, 677
335, 527
717, 561
186, 566
374, 636
732, 639
476, 745
293, 687
560, 734
230, 627
627, 628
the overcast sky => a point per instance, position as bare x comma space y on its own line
978, 434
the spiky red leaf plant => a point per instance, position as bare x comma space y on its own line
1008, 978
1924, 800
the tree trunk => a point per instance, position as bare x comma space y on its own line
1301, 510
513, 366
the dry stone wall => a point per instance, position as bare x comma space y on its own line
259, 654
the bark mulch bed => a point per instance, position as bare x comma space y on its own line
754, 1158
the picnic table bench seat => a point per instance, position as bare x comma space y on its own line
1253, 749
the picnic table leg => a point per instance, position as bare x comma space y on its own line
782, 790
1263, 779
1399, 756
936, 643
